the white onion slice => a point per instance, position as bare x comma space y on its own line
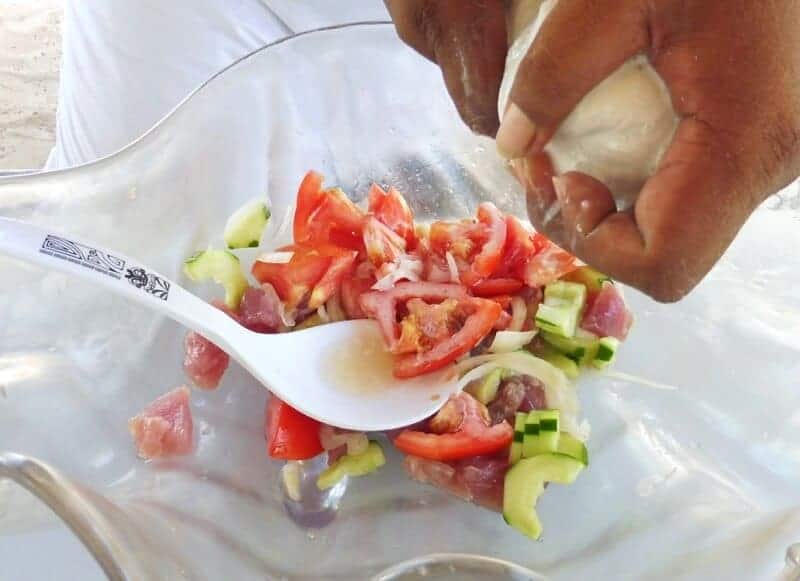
275, 257
519, 311
508, 341
452, 267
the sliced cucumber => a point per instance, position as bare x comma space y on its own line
485, 388
558, 359
571, 446
549, 427
563, 292
592, 279
581, 348
606, 352
515, 453
356, 465
560, 320
246, 225
524, 485
561, 309
222, 267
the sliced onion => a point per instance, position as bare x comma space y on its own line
406, 268
508, 341
275, 257
519, 311
290, 474
334, 309
322, 312
559, 393
452, 267
332, 438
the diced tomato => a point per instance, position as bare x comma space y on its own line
391, 209
340, 267
326, 216
479, 316
290, 435
487, 261
294, 280
382, 305
519, 248
309, 197
312, 273
548, 265
383, 244
462, 239
352, 289
463, 430
492, 287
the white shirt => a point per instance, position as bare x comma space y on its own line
126, 63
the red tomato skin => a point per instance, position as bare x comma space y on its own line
492, 287
475, 328
341, 266
391, 209
461, 429
487, 261
290, 435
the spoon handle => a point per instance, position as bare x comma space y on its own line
117, 273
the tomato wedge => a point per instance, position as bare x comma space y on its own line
520, 247
383, 244
487, 261
290, 435
340, 266
493, 287
481, 316
309, 196
391, 209
548, 265
294, 280
382, 305
464, 431
351, 291
461, 239
326, 216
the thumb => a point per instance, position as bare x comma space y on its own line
580, 43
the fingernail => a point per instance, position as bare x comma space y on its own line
516, 133
560, 186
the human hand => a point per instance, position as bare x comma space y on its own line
468, 40
733, 73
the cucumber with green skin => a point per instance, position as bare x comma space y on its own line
356, 465
581, 348
222, 267
558, 359
524, 484
246, 225
562, 307
515, 452
542, 428
571, 446
606, 352
485, 388
592, 279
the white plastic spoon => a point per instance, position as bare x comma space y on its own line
338, 373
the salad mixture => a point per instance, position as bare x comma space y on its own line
516, 314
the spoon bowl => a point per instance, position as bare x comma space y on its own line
339, 373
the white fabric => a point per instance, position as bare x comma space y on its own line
126, 63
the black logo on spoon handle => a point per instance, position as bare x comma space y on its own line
105, 263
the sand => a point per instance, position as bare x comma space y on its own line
30, 55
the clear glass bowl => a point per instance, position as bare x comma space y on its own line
694, 454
